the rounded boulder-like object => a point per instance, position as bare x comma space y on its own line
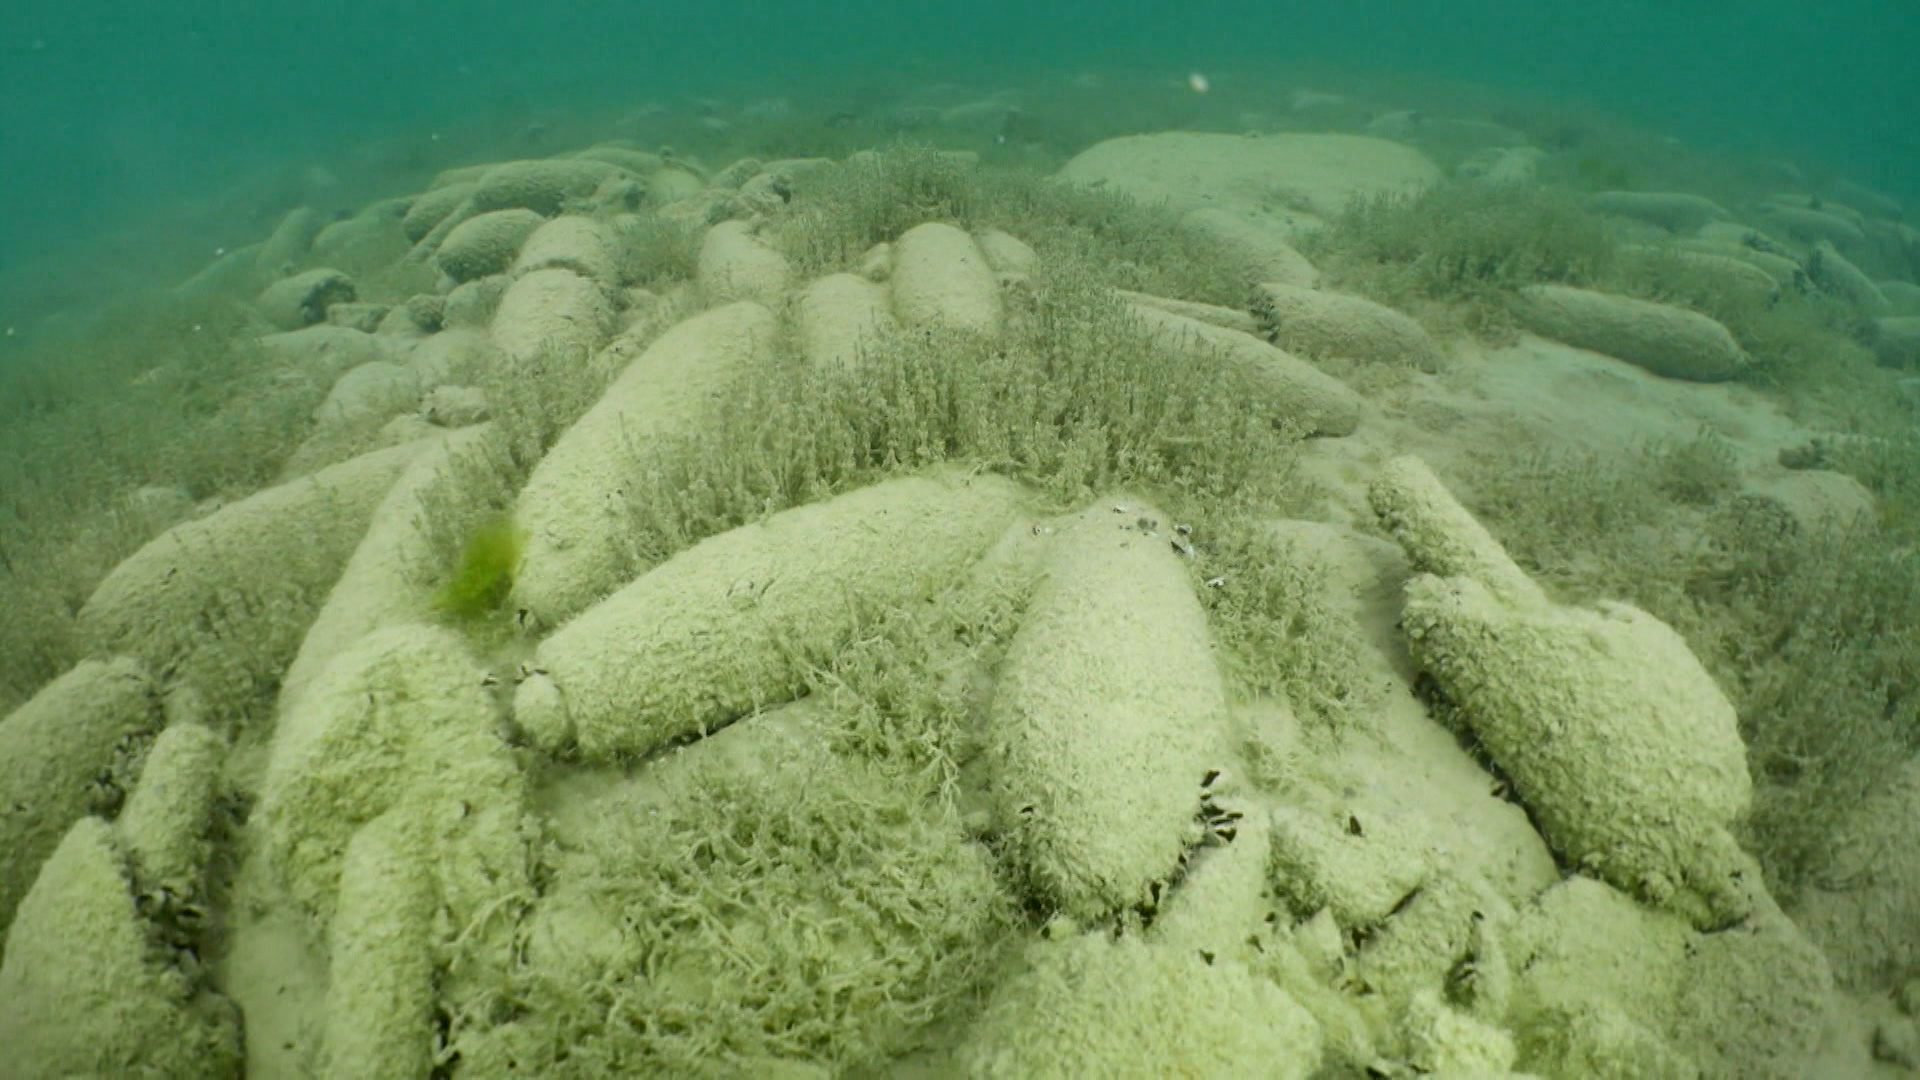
302, 300
1668, 341
486, 243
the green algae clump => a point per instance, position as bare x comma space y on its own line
485, 571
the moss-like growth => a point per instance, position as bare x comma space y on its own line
1702, 472
1470, 247
176, 397
1888, 463
1270, 611
904, 692
839, 212
484, 574
1465, 243
652, 249
222, 602
1078, 397
760, 907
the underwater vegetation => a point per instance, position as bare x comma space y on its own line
704, 665
484, 574
1810, 630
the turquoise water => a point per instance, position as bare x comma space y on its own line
111, 109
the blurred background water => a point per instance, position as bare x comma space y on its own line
110, 109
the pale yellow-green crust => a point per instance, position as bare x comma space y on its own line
52, 749
571, 510
82, 993
1108, 709
1093, 1006
167, 823
380, 985
402, 723
727, 626
1614, 736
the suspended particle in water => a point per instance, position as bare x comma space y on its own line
1198, 83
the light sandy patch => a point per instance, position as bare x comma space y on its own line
1299, 181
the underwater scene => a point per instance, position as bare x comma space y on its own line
1354, 541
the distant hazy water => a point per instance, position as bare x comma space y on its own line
117, 105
